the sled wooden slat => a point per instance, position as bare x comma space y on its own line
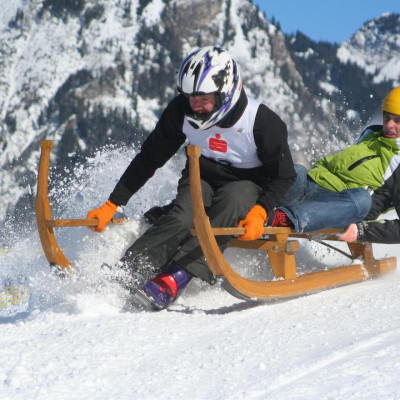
269, 230
45, 223
63, 223
282, 258
288, 246
240, 231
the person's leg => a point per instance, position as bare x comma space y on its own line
298, 191
156, 212
156, 247
163, 289
230, 204
329, 209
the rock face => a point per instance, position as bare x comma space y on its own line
86, 73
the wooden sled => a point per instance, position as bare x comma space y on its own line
46, 224
280, 250
281, 253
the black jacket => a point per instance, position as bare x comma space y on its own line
275, 176
383, 199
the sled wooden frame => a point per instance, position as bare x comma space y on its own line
280, 250
281, 253
44, 220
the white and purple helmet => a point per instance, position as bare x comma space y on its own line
210, 70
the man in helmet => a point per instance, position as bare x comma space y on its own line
246, 169
360, 182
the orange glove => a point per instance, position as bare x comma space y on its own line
254, 223
350, 235
103, 214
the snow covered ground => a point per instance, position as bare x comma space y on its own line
74, 340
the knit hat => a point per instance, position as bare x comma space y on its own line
392, 102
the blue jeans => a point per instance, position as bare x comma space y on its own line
311, 207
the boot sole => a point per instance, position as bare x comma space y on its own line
145, 301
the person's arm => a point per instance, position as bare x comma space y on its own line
385, 231
382, 231
156, 150
381, 202
270, 135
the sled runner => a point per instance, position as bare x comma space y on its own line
46, 224
281, 253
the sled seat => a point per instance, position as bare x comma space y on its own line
281, 249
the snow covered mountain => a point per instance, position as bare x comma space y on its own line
354, 76
376, 49
91, 72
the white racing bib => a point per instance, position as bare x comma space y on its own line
234, 146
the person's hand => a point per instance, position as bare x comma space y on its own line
103, 214
350, 235
253, 223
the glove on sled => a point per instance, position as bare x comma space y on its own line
103, 214
254, 223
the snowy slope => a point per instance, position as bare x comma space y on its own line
74, 341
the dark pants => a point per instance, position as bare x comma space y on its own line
169, 239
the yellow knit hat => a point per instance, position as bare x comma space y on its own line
392, 102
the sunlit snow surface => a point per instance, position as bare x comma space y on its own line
74, 340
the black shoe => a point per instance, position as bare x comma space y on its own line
156, 212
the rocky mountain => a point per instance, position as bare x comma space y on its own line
356, 75
86, 73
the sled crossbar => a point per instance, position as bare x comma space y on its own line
281, 253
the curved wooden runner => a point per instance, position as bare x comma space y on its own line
45, 223
281, 253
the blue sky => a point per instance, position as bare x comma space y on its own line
332, 21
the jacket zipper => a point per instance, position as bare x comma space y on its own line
360, 161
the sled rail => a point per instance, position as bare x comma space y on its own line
44, 220
281, 253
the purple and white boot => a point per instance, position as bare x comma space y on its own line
161, 291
